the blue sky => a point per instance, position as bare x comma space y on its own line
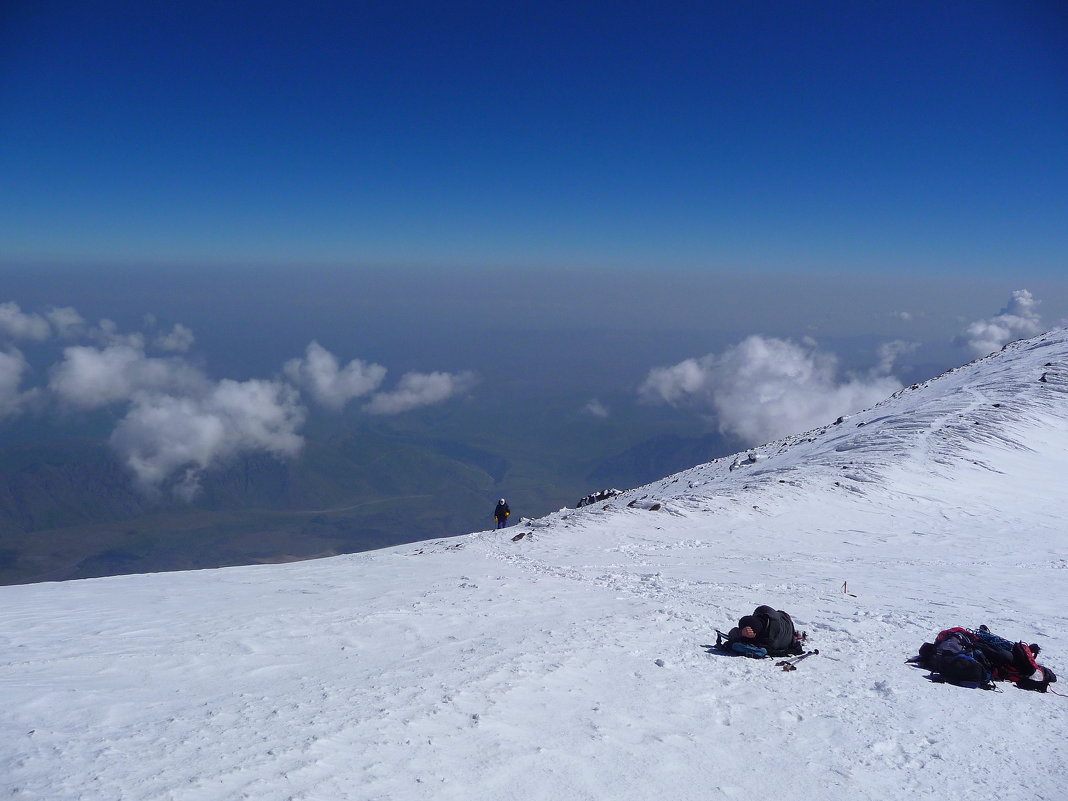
873, 138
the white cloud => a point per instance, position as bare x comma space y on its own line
597, 409
12, 368
90, 377
108, 332
163, 435
672, 384
66, 321
179, 340
329, 385
420, 389
889, 353
19, 325
176, 421
764, 388
1017, 320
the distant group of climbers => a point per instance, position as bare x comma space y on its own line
969, 658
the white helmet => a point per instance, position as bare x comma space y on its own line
501, 500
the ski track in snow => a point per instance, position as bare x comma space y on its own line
573, 663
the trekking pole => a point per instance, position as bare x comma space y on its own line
790, 664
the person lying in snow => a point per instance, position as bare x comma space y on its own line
766, 632
976, 658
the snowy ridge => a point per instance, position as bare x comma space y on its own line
569, 662
1004, 397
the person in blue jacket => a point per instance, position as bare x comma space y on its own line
501, 513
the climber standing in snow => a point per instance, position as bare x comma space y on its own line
501, 513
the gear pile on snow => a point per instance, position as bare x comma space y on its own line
976, 658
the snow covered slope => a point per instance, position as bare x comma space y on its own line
569, 664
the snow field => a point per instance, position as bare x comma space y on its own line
573, 663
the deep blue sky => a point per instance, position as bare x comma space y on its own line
859, 137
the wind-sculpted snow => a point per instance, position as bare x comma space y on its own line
1001, 398
571, 662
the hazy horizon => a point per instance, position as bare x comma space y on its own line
550, 335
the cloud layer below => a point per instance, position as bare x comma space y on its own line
420, 389
329, 384
176, 421
1019, 319
163, 436
12, 368
764, 388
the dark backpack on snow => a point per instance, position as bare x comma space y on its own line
956, 659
